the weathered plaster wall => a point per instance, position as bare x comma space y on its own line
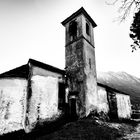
43, 104
81, 72
75, 73
123, 105
91, 80
90, 37
102, 100
81, 75
12, 104
79, 29
43, 72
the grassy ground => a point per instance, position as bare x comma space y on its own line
89, 129
84, 129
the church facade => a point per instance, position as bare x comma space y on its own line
37, 92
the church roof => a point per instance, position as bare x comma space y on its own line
20, 72
108, 88
80, 11
23, 71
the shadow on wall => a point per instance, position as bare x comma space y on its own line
45, 128
39, 131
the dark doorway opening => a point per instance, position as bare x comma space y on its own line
73, 105
112, 105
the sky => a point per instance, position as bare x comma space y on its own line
32, 29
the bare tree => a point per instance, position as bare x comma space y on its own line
126, 6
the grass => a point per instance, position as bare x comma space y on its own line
84, 129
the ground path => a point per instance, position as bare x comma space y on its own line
134, 135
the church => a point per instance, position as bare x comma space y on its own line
36, 92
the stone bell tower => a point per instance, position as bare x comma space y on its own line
80, 61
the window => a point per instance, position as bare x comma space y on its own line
89, 63
73, 29
61, 96
87, 29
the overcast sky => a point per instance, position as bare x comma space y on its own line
32, 29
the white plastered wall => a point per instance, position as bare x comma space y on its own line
102, 100
12, 104
123, 105
43, 105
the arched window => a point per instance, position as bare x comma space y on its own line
87, 29
73, 29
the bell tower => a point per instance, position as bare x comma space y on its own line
80, 61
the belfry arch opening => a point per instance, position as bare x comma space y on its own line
73, 29
87, 29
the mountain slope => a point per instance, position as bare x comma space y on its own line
122, 81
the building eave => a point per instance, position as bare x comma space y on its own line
110, 88
19, 72
80, 11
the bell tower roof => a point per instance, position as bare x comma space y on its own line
80, 11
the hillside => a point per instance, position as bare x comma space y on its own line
122, 81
